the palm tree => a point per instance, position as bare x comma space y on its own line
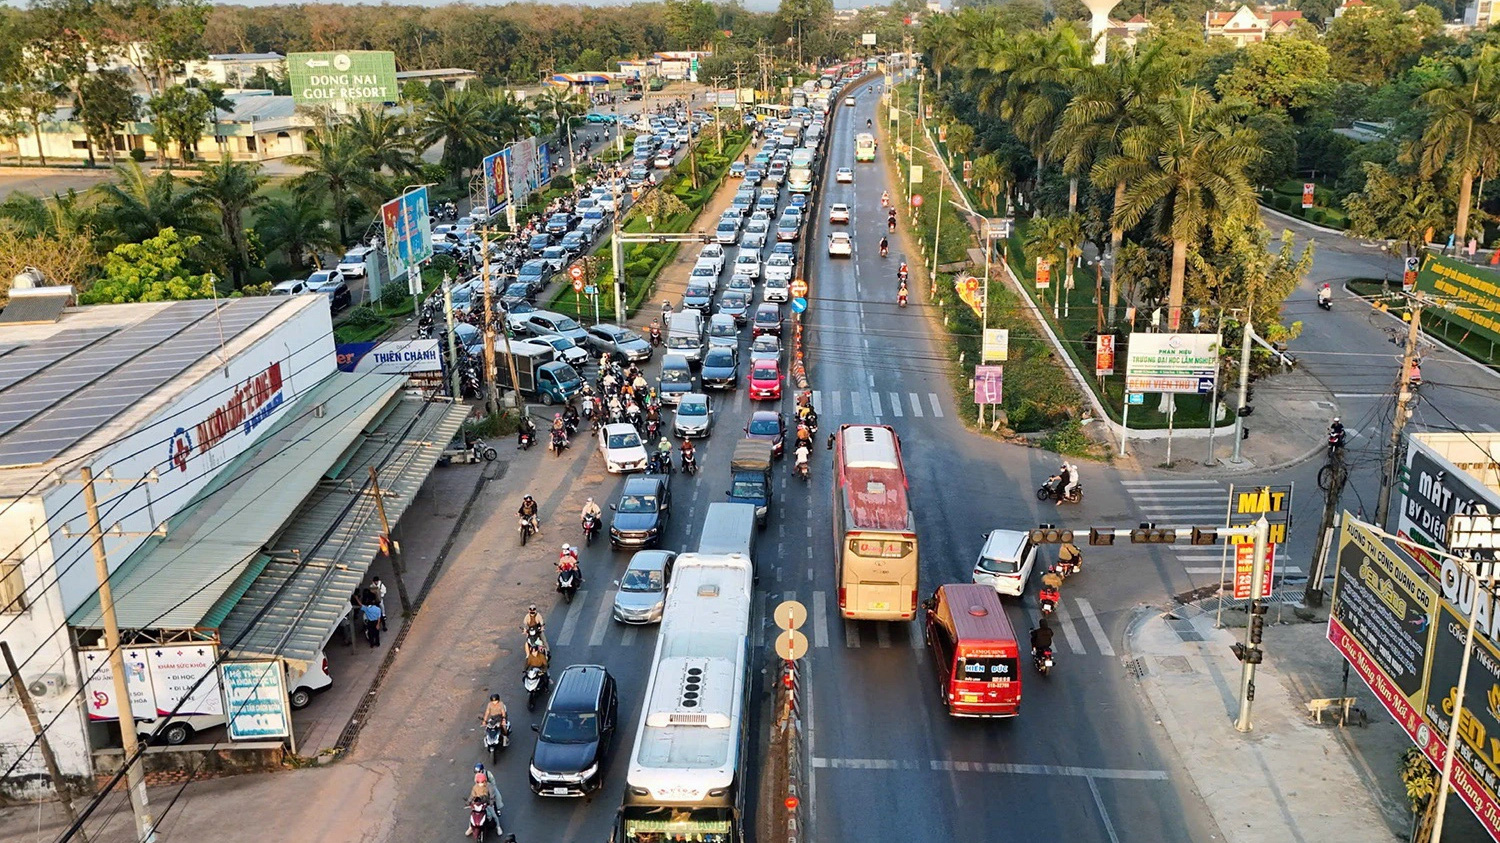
1465, 124
507, 118
298, 225
1055, 239
457, 121
1191, 155
218, 101
1031, 82
384, 140
33, 216
233, 188
960, 141
992, 177
1111, 100
334, 167
136, 206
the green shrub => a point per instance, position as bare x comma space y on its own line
1315, 215
561, 183
364, 316
443, 263
393, 296
1281, 203
138, 155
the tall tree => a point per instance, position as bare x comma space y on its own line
1191, 154
384, 138
136, 206
232, 188
1282, 73
457, 121
1396, 206
33, 100
1373, 42
162, 268
297, 225
179, 114
992, 177
692, 24
333, 167
1032, 79
104, 104
1464, 127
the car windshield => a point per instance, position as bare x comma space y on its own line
517, 290
727, 226
627, 336
638, 503
353, 258
692, 408
766, 317
624, 440
764, 373
765, 342
722, 329
697, 293
678, 376
719, 357
973, 669
746, 489
999, 566
570, 727
642, 582
735, 298
765, 427
566, 324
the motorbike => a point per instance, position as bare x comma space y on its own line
884, 250
802, 470
1414, 377
653, 429
480, 451
901, 299
661, 462
479, 818
559, 442
1047, 598
526, 437
496, 736
1325, 302
1336, 439
568, 580
1042, 660
689, 464
655, 337
535, 683
590, 529
1052, 490
1067, 567
527, 530
570, 425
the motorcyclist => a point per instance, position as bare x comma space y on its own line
885, 246
527, 427
1041, 638
591, 508
494, 708
568, 554
1070, 481
689, 453
1336, 433
1064, 479
655, 332
885, 199
803, 451
533, 620
1070, 557
558, 425
901, 293
869, 123
1325, 294
528, 512
664, 453
1051, 587
570, 418
481, 789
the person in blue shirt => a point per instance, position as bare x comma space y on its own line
372, 614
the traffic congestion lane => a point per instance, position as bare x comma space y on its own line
868, 742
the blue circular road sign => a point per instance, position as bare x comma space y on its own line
799, 305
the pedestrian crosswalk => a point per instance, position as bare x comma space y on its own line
589, 622
878, 404
1188, 503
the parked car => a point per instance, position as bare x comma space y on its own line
642, 589
618, 341
641, 512
295, 287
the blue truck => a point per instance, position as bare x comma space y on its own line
750, 477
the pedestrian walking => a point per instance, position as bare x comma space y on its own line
379, 588
372, 623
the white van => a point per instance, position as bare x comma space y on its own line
1005, 561
355, 263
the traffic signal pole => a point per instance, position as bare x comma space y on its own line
1249, 653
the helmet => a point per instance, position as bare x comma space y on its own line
567, 548
590, 500
1042, 624
479, 768
556, 415
494, 698
528, 497
533, 607
1335, 419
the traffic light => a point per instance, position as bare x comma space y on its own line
1257, 626
1147, 533
1050, 534
1101, 535
1249, 655
1205, 536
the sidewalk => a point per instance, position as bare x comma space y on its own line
1288, 779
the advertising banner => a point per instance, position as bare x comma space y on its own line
968, 289
1244, 570
543, 174
1104, 355
1043, 273
1473, 293
175, 669
996, 346
349, 76
1187, 363
255, 700
495, 184
1437, 489
1409, 275
399, 357
99, 680
989, 383
1309, 192
1248, 503
408, 232
521, 167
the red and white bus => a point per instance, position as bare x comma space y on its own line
874, 534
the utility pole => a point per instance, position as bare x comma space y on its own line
717, 82
140, 805
1249, 653
1239, 406
24, 695
618, 254
1403, 410
1338, 475
491, 388
452, 339
385, 530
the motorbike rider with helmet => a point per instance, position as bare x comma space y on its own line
591, 508
689, 453
528, 513
1041, 638
494, 708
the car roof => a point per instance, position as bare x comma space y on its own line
578, 688
650, 560
619, 427
764, 415
1004, 544
637, 484
768, 307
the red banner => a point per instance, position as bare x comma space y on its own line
1309, 191
1043, 274
1244, 570
1104, 355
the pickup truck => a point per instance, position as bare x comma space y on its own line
750, 477
539, 372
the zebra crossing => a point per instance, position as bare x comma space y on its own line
878, 404
1183, 504
589, 622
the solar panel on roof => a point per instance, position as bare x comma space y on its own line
27, 360
22, 309
176, 338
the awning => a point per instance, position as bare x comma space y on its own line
184, 579
323, 555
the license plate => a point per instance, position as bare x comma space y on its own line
881, 605
559, 791
970, 697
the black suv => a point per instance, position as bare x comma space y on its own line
641, 513
573, 741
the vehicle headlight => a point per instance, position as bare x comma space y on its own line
538, 774
589, 772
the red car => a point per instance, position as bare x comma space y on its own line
765, 381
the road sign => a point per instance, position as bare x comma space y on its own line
791, 645
1043, 273
790, 615
1309, 194
916, 199
1409, 277
799, 305
996, 347
989, 382
799, 289
1172, 363
342, 77
591, 290
575, 272
577, 285
1136, 398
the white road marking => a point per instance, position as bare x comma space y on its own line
760, 628
739, 400
821, 763
1170, 483
1290, 571
896, 404
570, 623
1109, 827
1061, 618
875, 404
916, 404
601, 625
872, 380
851, 633
820, 619
1361, 394
937, 409
817, 398
1086, 611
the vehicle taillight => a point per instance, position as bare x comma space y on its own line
325, 666
914, 599
843, 597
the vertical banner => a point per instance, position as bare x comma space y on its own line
1409, 276
99, 679
1104, 355
968, 168
522, 169
495, 186
1309, 192
989, 382
1244, 570
995, 347
543, 165
1043, 273
176, 669
408, 231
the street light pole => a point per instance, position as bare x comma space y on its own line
617, 252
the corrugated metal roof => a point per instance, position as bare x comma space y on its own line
175, 582
322, 557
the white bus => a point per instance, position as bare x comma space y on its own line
685, 780
864, 147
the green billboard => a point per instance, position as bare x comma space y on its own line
348, 76
1464, 294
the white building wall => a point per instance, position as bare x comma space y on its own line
59, 569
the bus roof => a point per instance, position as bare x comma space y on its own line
688, 739
872, 478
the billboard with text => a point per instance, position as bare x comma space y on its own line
495, 185
408, 231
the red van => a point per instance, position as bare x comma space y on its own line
975, 652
